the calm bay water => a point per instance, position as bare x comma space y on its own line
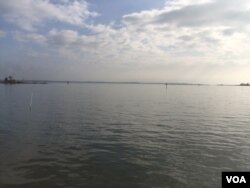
111, 135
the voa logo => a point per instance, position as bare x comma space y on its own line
236, 179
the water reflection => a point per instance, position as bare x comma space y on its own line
103, 136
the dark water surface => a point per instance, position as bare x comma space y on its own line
110, 135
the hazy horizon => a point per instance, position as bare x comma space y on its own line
181, 41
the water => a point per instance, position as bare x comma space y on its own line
110, 135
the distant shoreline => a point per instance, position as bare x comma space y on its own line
106, 82
22, 82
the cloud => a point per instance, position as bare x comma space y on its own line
194, 27
31, 14
187, 13
29, 37
209, 14
183, 36
175, 33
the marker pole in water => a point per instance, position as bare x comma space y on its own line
31, 98
166, 88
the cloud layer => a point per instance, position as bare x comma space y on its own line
30, 14
200, 40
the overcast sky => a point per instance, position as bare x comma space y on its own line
198, 41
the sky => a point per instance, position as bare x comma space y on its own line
192, 41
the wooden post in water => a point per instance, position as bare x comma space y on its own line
31, 98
